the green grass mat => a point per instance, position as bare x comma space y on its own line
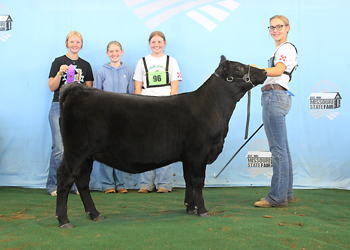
318, 219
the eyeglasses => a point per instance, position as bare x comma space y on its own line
277, 27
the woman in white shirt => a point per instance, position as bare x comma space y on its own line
276, 102
157, 74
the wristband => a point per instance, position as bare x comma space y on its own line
58, 74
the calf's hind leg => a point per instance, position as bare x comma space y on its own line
82, 182
65, 181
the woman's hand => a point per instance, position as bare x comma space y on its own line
54, 82
63, 69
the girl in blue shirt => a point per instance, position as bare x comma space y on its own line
115, 76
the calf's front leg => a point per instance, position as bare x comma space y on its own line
189, 199
82, 183
194, 173
198, 184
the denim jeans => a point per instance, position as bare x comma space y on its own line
276, 105
148, 178
111, 177
57, 149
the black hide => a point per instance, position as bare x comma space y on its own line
136, 133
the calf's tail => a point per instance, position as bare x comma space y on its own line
64, 92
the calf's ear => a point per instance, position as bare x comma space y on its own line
222, 70
223, 59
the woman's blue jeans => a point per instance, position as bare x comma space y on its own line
275, 106
111, 177
57, 149
165, 175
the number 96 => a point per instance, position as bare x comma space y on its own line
157, 78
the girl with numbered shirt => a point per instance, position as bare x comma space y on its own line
115, 76
276, 102
157, 74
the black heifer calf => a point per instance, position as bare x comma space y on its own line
137, 133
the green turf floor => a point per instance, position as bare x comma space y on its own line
319, 219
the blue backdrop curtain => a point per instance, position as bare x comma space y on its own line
32, 34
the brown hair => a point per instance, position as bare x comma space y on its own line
115, 43
156, 33
74, 33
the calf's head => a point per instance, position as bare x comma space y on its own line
235, 71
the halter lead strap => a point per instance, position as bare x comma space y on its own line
245, 78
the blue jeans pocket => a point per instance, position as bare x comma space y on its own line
284, 100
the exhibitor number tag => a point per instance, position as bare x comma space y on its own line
157, 78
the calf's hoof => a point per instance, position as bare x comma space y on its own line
204, 214
195, 212
99, 218
67, 225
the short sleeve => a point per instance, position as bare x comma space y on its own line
175, 74
55, 66
286, 55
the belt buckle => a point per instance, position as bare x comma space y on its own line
275, 87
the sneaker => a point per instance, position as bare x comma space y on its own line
163, 190
110, 191
264, 203
290, 200
146, 191
122, 191
143, 191
74, 191
54, 193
